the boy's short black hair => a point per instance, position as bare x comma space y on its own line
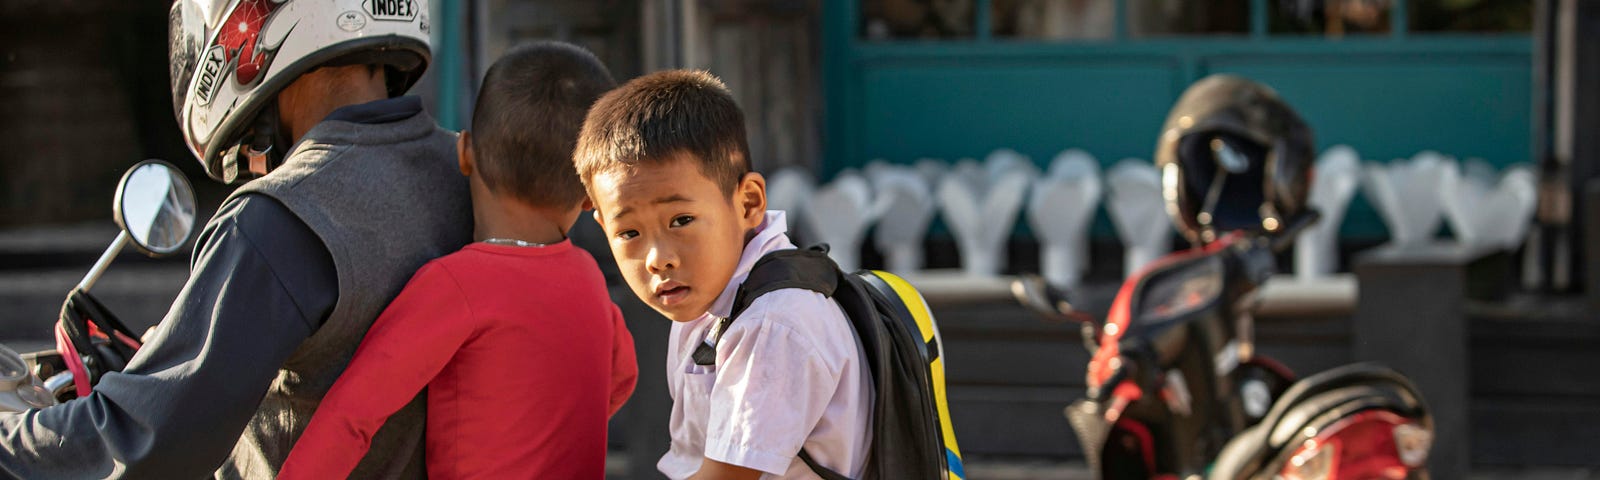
526, 121
653, 118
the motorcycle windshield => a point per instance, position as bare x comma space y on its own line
1181, 290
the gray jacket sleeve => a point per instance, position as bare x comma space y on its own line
261, 282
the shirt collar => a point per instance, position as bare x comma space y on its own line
378, 111
770, 237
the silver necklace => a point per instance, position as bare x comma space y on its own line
511, 242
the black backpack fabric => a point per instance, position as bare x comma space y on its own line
911, 433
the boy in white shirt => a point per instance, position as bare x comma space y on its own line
666, 162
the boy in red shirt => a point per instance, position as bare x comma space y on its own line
522, 352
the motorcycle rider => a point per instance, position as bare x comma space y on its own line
354, 188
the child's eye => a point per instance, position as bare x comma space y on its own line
627, 234
682, 220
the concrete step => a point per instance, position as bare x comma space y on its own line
69, 246
40, 264
77, 237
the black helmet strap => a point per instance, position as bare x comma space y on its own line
260, 149
1206, 215
1228, 161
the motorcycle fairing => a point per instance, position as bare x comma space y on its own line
1133, 294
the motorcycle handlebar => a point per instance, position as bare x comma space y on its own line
1033, 292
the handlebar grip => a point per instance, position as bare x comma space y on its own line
1119, 374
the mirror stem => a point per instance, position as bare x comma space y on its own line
105, 261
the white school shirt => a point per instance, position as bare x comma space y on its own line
789, 372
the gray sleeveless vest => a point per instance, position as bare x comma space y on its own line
385, 199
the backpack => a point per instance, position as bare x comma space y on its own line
912, 436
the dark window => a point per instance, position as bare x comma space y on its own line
1154, 18
1330, 17
1053, 19
910, 19
1471, 15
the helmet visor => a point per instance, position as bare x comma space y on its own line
1224, 179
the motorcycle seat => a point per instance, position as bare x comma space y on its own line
1314, 401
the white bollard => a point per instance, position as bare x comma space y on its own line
788, 189
906, 202
838, 214
1138, 212
1060, 210
1316, 250
931, 169
1074, 158
1406, 194
981, 211
1521, 184
1485, 209
1005, 160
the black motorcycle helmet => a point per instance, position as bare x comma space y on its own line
1233, 156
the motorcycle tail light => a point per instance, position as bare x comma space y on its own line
1314, 461
1412, 443
1376, 444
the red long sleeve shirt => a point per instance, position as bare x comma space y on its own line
524, 356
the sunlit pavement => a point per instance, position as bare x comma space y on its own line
981, 468
1012, 469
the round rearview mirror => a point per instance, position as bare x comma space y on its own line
155, 206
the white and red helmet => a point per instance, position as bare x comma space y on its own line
230, 58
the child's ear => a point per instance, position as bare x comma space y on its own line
751, 198
464, 153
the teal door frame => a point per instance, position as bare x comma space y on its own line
448, 65
1389, 95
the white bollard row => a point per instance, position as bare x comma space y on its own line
980, 202
1484, 208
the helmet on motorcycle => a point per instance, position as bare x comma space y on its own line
230, 58
1233, 156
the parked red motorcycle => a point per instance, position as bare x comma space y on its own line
1176, 390
155, 207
